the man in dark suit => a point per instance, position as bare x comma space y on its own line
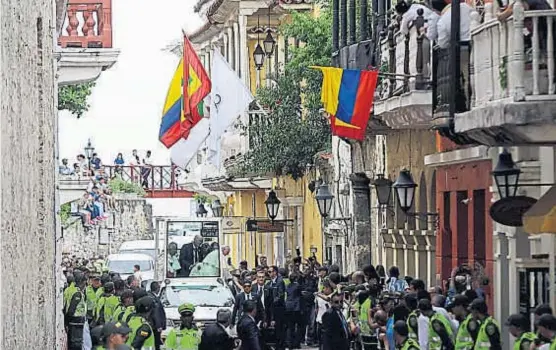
242, 298
158, 314
247, 329
215, 336
335, 329
190, 254
277, 289
262, 291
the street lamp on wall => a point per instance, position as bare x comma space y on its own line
383, 188
217, 208
89, 151
324, 200
405, 190
272, 204
201, 210
258, 56
506, 175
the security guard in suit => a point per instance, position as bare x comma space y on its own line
489, 333
142, 336
518, 325
188, 336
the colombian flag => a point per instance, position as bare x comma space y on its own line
197, 88
170, 130
347, 95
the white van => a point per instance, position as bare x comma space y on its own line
123, 264
147, 247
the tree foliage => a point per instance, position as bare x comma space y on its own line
73, 98
118, 185
286, 140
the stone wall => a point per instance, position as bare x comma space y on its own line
132, 220
27, 175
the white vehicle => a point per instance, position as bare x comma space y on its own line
124, 263
207, 294
147, 247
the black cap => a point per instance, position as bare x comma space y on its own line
547, 321
115, 328
479, 305
400, 327
425, 305
518, 320
138, 294
96, 335
458, 300
145, 304
109, 287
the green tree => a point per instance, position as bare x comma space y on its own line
73, 98
294, 130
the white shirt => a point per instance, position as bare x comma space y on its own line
444, 25
431, 19
138, 276
322, 306
423, 326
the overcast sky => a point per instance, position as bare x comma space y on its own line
126, 104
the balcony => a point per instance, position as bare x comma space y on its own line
513, 99
404, 95
85, 41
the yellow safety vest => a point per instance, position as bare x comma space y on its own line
183, 339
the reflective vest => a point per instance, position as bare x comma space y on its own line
435, 342
81, 308
529, 336
128, 313
413, 325
91, 295
135, 323
364, 317
483, 341
118, 313
553, 345
183, 339
410, 344
464, 341
68, 294
105, 307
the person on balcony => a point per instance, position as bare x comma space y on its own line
119, 161
64, 169
146, 170
443, 26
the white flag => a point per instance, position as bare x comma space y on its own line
230, 98
184, 150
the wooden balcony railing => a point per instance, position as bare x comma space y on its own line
407, 60
88, 24
509, 64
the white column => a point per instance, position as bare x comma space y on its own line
236, 48
229, 48
501, 273
225, 45
244, 49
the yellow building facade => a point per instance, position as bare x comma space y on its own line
244, 198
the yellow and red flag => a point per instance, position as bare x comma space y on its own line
196, 86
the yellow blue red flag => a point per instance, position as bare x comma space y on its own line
170, 129
347, 95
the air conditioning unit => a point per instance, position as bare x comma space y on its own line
540, 245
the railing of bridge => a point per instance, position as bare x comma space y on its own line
88, 24
151, 178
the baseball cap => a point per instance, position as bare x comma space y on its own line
547, 321
517, 320
458, 300
115, 328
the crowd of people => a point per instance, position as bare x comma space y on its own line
304, 303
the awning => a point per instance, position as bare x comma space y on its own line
541, 218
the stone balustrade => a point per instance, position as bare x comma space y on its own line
88, 24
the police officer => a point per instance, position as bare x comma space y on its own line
115, 334
440, 330
546, 326
188, 336
126, 308
106, 304
411, 302
468, 327
91, 294
364, 313
76, 313
142, 336
518, 326
489, 332
401, 337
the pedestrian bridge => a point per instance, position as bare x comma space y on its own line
159, 181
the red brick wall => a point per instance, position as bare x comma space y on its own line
465, 237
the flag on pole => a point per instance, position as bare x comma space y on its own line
170, 129
348, 97
184, 150
196, 87
230, 98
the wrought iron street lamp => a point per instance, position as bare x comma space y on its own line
405, 190
258, 56
217, 208
324, 200
383, 188
89, 151
269, 43
506, 175
201, 211
272, 204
